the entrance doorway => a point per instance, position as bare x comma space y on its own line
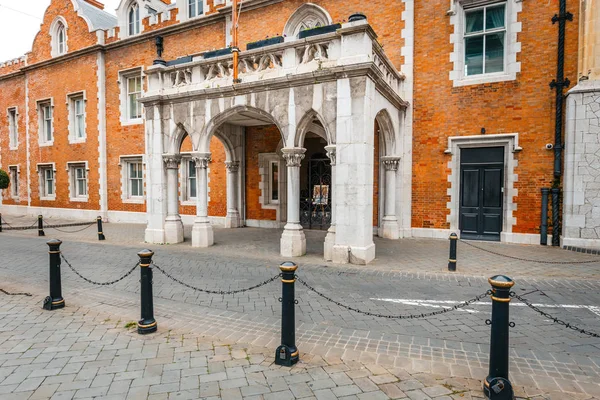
315, 197
481, 193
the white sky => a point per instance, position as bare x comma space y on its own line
18, 28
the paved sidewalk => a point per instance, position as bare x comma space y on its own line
84, 353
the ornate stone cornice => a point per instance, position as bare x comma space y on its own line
172, 160
202, 159
331, 153
390, 163
293, 156
232, 166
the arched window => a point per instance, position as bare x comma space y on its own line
61, 39
134, 19
307, 16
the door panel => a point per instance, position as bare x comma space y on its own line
481, 193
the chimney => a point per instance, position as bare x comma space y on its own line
95, 3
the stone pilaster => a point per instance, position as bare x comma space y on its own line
390, 228
173, 223
202, 232
330, 238
233, 215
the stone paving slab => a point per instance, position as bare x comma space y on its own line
88, 352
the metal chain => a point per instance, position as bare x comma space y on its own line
528, 260
552, 318
87, 225
100, 283
15, 294
216, 291
408, 316
63, 231
19, 228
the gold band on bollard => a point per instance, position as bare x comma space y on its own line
147, 326
451, 260
100, 233
58, 302
501, 284
288, 280
54, 252
289, 269
486, 383
501, 300
295, 354
144, 265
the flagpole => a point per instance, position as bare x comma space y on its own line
234, 45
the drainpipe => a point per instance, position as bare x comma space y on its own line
559, 84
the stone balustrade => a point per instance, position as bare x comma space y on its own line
353, 45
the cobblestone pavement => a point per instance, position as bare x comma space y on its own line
83, 353
544, 356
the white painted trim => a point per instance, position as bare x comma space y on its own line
102, 141
28, 166
42, 180
12, 145
71, 165
71, 97
123, 100
124, 162
42, 142
54, 36
510, 144
15, 196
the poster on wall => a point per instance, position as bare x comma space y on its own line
320, 194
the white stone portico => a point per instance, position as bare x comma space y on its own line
334, 85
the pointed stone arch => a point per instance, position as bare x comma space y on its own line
307, 16
387, 131
307, 124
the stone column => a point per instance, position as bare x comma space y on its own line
293, 241
233, 215
173, 224
202, 232
390, 228
330, 238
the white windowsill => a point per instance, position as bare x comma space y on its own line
46, 144
130, 122
79, 199
77, 141
190, 202
485, 78
13, 148
52, 198
134, 200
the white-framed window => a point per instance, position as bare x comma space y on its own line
78, 177
135, 179
76, 103
13, 129
192, 187
133, 19
13, 171
61, 39
485, 41
274, 182
47, 177
195, 8
188, 175
131, 83
45, 119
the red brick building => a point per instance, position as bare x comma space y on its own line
438, 111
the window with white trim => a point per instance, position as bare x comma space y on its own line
485, 39
61, 39
45, 116
47, 182
192, 187
131, 84
133, 19
78, 176
77, 118
14, 181
135, 179
13, 135
195, 8
274, 182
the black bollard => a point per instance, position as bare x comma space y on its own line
0, 222
555, 217
55, 300
452, 257
544, 224
287, 354
497, 386
100, 232
41, 226
147, 324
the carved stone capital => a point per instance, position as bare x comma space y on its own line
202, 159
232, 166
390, 163
293, 156
331, 153
172, 160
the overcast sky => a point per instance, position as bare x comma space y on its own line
20, 21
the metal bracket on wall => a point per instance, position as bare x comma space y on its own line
566, 17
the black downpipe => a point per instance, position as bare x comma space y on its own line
559, 84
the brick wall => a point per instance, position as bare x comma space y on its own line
524, 106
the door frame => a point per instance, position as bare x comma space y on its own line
510, 142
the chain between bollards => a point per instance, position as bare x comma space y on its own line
287, 354
147, 323
55, 300
100, 232
452, 256
41, 226
496, 385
